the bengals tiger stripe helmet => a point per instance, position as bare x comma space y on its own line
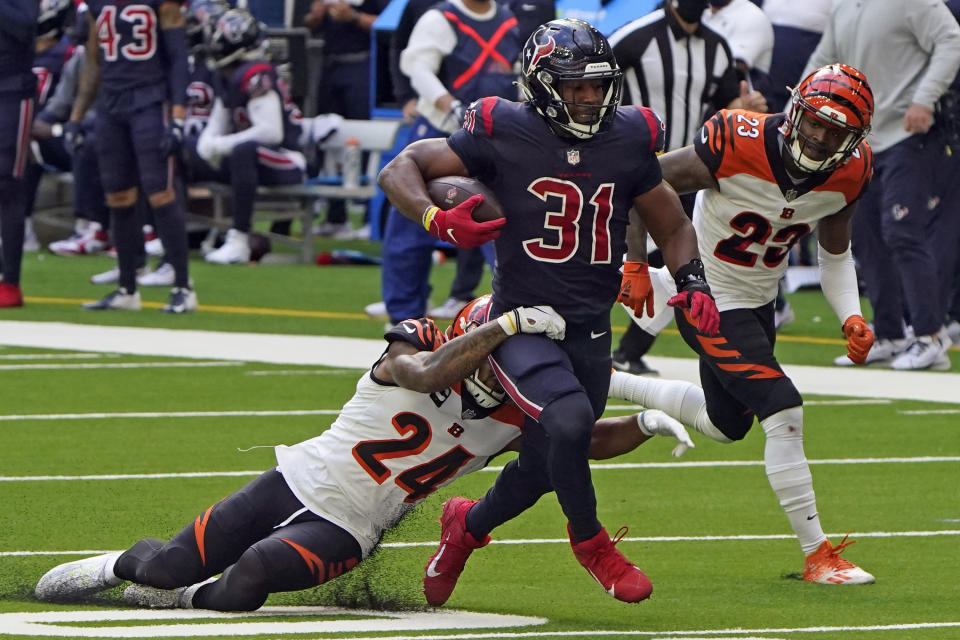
839, 96
470, 317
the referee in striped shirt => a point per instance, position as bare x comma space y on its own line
685, 72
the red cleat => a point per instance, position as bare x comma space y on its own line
456, 545
618, 576
10, 295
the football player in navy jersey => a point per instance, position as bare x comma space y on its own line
18, 87
52, 53
253, 134
137, 58
567, 166
427, 412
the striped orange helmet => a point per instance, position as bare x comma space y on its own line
839, 97
471, 316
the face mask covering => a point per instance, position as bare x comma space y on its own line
690, 10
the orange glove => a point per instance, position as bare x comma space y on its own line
859, 338
635, 289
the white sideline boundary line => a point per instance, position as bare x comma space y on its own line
340, 352
117, 365
165, 414
496, 469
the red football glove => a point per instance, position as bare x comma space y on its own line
702, 307
458, 227
635, 289
859, 338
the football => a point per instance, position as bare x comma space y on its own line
449, 191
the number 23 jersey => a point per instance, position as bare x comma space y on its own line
748, 224
391, 447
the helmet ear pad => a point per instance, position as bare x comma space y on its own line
839, 96
564, 50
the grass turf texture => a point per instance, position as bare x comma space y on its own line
698, 584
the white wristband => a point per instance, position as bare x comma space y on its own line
56, 130
641, 425
508, 324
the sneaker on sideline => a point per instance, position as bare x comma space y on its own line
30, 241
331, 229
112, 276
924, 352
448, 310
953, 332
376, 309
162, 276
618, 576
783, 317
10, 295
78, 579
456, 545
182, 300
234, 250
825, 566
94, 240
637, 367
117, 299
882, 352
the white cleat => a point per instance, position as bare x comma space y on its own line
78, 579
164, 276
235, 249
882, 352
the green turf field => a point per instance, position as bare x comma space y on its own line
711, 536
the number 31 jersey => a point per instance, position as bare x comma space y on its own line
391, 447
747, 226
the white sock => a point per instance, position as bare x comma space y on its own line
789, 475
683, 401
108, 573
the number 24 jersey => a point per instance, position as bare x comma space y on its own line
391, 447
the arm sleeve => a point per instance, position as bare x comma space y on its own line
59, 106
266, 123
937, 32
398, 42
838, 280
431, 40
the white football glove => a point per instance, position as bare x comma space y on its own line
655, 422
541, 319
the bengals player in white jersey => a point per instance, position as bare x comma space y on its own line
429, 411
765, 182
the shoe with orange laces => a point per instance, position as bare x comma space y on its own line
10, 295
825, 566
618, 576
456, 545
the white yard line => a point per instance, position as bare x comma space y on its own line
118, 365
495, 469
332, 351
164, 414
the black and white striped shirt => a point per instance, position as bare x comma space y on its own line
683, 77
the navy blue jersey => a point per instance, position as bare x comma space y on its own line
200, 94
251, 80
481, 63
47, 66
133, 63
18, 28
566, 201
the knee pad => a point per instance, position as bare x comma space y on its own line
569, 419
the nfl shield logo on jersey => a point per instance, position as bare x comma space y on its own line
573, 156
790, 195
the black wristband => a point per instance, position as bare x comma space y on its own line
691, 277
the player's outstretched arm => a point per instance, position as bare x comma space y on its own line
404, 179
685, 171
451, 362
615, 436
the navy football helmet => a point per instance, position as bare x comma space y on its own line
201, 18
570, 49
52, 18
237, 36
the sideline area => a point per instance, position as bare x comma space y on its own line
335, 351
